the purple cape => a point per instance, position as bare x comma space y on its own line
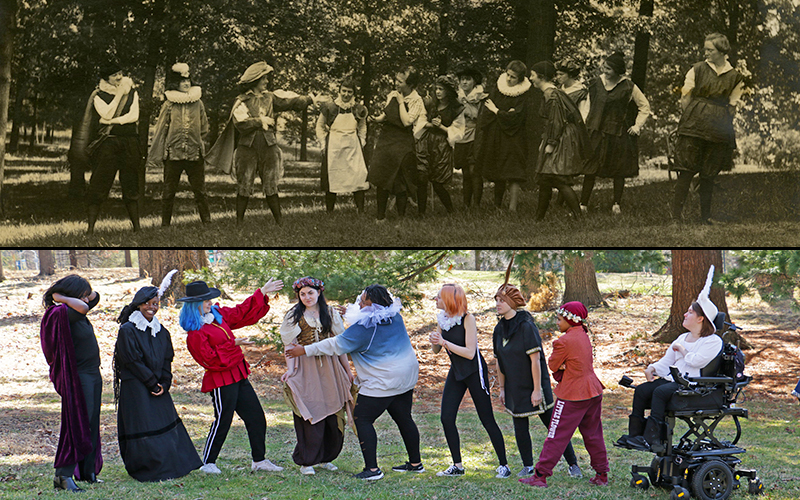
75, 440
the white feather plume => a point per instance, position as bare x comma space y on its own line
166, 282
707, 288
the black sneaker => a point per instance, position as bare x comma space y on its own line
369, 475
451, 471
407, 467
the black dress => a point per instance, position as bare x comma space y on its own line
459, 365
514, 341
153, 442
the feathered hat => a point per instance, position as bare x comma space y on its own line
704, 301
145, 294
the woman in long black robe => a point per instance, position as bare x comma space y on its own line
153, 442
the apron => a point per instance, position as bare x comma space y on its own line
347, 171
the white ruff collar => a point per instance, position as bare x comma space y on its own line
371, 315
179, 97
446, 322
516, 90
141, 323
208, 318
344, 105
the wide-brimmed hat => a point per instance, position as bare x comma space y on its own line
255, 71
468, 70
448, 81
199, 290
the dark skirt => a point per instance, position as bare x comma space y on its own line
614, 156
317, 443
393, 162
434, 158
153, 442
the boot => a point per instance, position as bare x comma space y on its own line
241, 208
358, 197
93, 211
651, 440
635, 428
274, 204
133, 213
66, 483
166, 212
203, 210
330, 202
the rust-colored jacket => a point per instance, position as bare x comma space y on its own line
574, 351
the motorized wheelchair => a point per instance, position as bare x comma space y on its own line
702, 464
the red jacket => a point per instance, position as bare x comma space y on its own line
214, 345
574, 350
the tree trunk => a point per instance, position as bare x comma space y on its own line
303, 135
35, 104
157, 263
8, 27
444, 13
19, 98
2, 277
128, 260
47, 263
580, 280
540, 44
73, 259
689, 271
477, 260
642, 47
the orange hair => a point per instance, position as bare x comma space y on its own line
455, 299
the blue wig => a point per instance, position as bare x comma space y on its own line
191, 317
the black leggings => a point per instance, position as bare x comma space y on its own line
523, 437
369, 408
452, 395
441, 192
588, 186
682, 191
383, 202
546, 184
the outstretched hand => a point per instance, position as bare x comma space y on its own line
272, 285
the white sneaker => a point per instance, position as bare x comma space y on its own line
328, 466
615, 209
210, 469
266, 465
307, 470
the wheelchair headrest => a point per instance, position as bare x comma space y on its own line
719, 321
713, 366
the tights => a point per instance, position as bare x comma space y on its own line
441, 192
473, 186
682, 191
546, 184
383, 201
588, 186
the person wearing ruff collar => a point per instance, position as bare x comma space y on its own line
690, 352
342, 129
387, 368
504, 149
153, 442
317, 389
257, 151
613, 129
115, 143
213, 345
393, 165
579, 399
179, 142
706, 139
471, 96
444, 126
522, 374
70, 348
565, 142
458, 335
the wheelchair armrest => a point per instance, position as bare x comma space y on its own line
677, 377
711, 380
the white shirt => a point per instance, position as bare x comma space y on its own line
698, 354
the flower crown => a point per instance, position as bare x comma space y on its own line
308, 281
570, 316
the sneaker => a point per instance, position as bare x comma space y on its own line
575, 471
210, 469
584, 210
535, 480
328, 466
503, 472
369, 475
615, 210
451, 471
407, 467
266, 465
307, 470
600, 479
526, 471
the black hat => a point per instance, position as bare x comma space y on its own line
199, 290
145, 294
468, 70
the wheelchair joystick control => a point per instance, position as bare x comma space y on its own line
626, 381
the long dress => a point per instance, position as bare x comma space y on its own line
153, 442
393, 162
503, 150
611, 113
565, 131
342, 128
318, 391
435, 146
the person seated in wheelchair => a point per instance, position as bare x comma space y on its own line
690, 353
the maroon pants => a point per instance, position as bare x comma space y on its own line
568, 416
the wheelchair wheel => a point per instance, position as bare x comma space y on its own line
679, 493
756, 487
640, 482
653, 473
712, 480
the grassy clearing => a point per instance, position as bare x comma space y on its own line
755, 208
